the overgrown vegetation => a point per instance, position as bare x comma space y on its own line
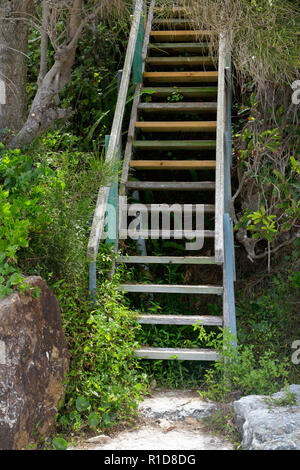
263, 37
241, 371
47, 197
105, 383
267, 309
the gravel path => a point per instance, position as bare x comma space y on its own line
171, 420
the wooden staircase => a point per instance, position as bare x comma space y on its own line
183, 118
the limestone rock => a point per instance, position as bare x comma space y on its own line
266, 426
176, 406
33, 364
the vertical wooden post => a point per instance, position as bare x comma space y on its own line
137, 64
228, 279
92, 281
113, 205
228, 152
229, 258
220, 157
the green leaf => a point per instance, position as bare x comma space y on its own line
93, 419
59, 443
82, 404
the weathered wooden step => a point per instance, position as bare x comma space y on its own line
174, 144
177, 126
172, 186
180, 77
208, 320
186, 92
166, 259
171, 36
165, 208
178, 107
176, 353
178, 61
178, 47
176, 234
173, 164
171, 289
170, 8
176, 22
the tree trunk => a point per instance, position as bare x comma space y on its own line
13, 62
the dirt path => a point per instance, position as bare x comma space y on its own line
171, 420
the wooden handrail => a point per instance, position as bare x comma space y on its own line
99, 214
220, 154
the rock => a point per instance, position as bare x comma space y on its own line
101, 439
33, 364
150, 436
165, 425
175, 405
266, 426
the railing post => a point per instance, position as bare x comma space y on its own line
137, 64
220, 149
113, 196
229, 274
228, 279
228, 152
92, 281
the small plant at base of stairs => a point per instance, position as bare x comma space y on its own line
240, 372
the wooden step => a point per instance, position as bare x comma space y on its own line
178, 107
176, 234
186, 92
173, 164
176, 353
180, 77
208, 320
179, 10
166, 259
181, 61
180, 36
177, 126
179, 22
178, 47
165, 208
174, 144
171, 186
171, 289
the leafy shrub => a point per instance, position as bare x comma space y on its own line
47, 199
105, 384
21, 185
240, 371
269, 186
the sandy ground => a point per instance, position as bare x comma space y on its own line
170, 420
